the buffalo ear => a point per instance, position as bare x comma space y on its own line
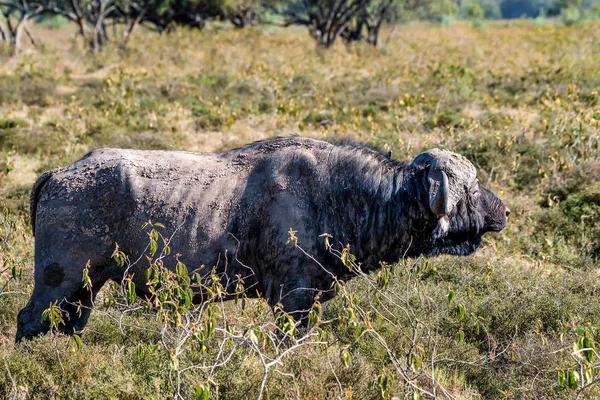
389, 155
439, 192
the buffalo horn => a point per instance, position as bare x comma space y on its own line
440, 203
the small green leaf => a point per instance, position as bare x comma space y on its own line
202, 392
572, 378
562, 380
450, 297
153, 247
253, 338
174, 362
77, 340
131, 295
460, 336
346, 358
589, 375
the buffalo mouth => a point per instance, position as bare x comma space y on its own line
457, 243
496, 228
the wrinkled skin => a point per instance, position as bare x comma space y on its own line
234, 210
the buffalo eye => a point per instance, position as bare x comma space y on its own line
475, 192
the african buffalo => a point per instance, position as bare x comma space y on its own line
234, 211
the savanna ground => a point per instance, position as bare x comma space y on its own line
519, 100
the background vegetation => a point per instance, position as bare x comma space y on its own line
517, 320
326, 20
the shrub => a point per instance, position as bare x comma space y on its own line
570, 16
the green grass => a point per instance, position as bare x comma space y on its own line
521, 103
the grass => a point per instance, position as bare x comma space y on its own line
520, 102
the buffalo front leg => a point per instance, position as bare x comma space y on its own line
294, 295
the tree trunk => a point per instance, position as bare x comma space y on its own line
13, 35
19, 33
244, 17
97, 33
134, 23
30, 36
355, 33
374, 25
4, 33
373, 34
316, 30
100, 35
7, 31
79, 18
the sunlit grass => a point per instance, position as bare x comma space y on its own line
520, 100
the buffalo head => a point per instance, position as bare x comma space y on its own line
464, 209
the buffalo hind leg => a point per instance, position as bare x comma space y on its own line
52, 286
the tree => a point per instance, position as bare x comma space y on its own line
372, 18
379, 11
491, 9
325, 19
164, 13
89, 15
130, 9
240, 13
472, 10
439, 10
11, 32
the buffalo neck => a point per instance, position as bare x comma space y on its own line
375, 203
399, 226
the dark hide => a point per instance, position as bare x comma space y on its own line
233, 211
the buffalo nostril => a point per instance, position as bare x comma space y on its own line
507, 211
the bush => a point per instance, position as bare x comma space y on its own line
472, 10
573, 204
9, 123
570, 16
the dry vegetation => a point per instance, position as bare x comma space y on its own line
520, 101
